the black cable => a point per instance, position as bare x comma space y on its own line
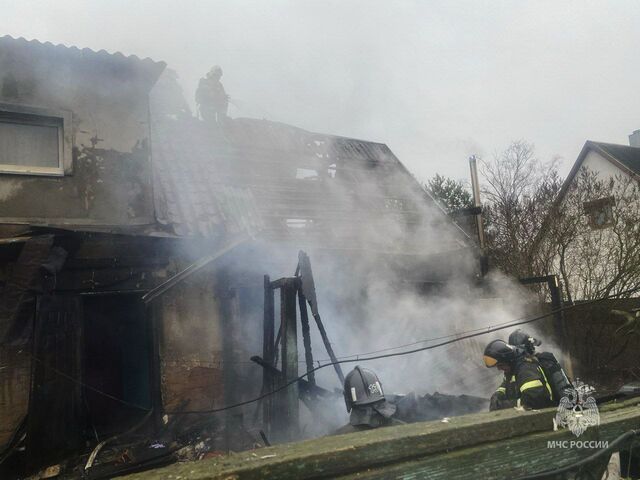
417, 342
557, 471
96, 450
478, 332
87, 386
398, 354
157, 461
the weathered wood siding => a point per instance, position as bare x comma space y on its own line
15, 380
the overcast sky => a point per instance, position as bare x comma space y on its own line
435, 80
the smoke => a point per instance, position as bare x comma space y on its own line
390, 269
368, 309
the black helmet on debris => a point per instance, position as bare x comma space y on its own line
499, 351
362, 387
520, 338
364, 397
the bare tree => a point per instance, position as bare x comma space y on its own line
519, 191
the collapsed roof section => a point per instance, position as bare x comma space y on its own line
291, 185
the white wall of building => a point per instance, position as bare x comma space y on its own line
595, 162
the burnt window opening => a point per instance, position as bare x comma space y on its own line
600, 212
299, 223
34, 141
116, 361
306, 174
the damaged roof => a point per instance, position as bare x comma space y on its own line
189, 196
286, 182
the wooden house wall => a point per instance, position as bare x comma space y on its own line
15, 380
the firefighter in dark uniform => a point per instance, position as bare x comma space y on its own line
212, 100
525, 383
560, 384
365, 400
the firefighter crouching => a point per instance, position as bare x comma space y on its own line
525, 383
558, 380
365, 400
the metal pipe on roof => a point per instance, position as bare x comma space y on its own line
475, 186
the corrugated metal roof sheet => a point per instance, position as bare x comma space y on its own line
189, 194
290, 184
149, 67
72, 49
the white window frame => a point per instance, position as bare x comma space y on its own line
28, 115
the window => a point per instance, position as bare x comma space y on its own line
34, 141
600, 212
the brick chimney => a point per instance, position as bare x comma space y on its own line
634, 139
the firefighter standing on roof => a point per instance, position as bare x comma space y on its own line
525, 382
212, 100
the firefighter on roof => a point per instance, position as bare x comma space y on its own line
212, 100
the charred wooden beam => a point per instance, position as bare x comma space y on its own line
305, 387
288, 398
268, 353
308, 288
191, 269
306, 337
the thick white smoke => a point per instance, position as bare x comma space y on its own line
390, 269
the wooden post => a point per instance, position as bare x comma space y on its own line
55, 405
268, 354
288, 413
306, 336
